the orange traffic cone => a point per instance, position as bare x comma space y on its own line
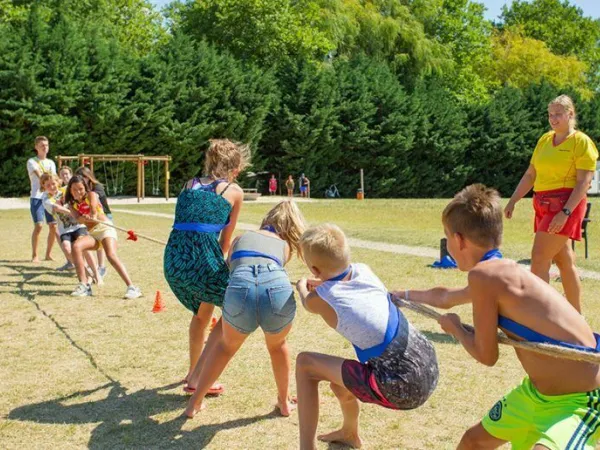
159, 305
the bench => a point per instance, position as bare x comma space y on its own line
584, 224
250, 194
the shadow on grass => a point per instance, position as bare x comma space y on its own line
524, 261
440, 338
126, 419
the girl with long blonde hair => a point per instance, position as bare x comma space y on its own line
259, 294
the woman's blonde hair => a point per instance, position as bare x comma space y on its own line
224, 156
567, 103
289, 223
48, 176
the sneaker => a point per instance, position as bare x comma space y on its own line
82, 290
133, 292
67, 266
102, 271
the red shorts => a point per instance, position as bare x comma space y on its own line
360, 380
549, 203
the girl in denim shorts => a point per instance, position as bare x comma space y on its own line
259, 294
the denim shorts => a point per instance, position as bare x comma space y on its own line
72, 236
259, 295
36, 208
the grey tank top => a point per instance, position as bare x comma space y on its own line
258, 242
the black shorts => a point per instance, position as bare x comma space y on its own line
403, 377
73, 235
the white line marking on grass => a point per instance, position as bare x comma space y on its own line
424, 252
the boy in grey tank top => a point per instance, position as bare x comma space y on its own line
397, 365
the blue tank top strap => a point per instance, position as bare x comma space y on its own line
492, 254
200, 227
395, 320
341, 276
270, 228
253, 254
211, 187
533, 336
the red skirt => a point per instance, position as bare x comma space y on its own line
549, 203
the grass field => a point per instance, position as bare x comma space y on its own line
103, 372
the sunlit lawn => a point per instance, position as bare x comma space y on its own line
102, 372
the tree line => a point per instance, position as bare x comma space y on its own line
425, 95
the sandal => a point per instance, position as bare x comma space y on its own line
215, 390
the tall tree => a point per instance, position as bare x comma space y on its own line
519, 61
562, 26
268, 31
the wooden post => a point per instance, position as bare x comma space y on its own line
143, 179
167, 180
362, 181
92, 165
360, 195
139, 183
80, 160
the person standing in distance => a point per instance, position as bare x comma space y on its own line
36, 167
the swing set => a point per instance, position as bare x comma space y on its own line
115, 176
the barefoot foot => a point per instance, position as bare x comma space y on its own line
191, 411
35, 259
286, 408
49, 258
351, 439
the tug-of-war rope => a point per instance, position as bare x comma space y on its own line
555, 351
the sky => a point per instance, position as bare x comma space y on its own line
589, 7
494, 7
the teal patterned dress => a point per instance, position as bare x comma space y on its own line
194, 265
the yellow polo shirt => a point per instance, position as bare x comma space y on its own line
556, 166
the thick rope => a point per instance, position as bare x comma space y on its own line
132, 235
555, 351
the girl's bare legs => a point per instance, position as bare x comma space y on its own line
101, 257
110, 247
81, 245
91, 262
218, 356
281, 365
565, 261
197, 333
66, 248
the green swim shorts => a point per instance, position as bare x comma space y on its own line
525, 417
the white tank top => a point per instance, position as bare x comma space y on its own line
361, 304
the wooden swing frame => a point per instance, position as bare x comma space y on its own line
139, 159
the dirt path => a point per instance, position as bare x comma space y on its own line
425, 252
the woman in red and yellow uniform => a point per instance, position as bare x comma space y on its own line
560, 172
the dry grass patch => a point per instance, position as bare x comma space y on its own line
104, 372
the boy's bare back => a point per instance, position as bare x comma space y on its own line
526, 299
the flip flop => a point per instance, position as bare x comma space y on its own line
213, 391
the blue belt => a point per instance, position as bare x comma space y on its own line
200, 227
252, 254
393, 325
